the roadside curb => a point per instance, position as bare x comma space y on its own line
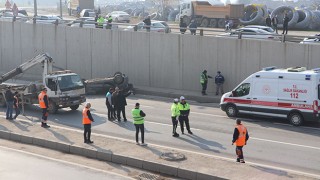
104, 155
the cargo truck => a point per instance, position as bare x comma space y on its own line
73, 5
207, 15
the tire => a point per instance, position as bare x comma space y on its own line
221, 23
53, 108
231, 111
213, 23
118, 79
295, 119
75, 107
204, 22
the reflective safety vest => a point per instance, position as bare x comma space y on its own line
100, 21
85, 118
137, 118
241, 141
184, 107
41, 100
203, 78
175, 110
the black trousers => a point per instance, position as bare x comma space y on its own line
44, 114
182, 120
204, 87
239, 153
139, 127
285, 29
123, 110
17, 112
87, 132
174, 125
110, 111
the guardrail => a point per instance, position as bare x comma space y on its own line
175, 30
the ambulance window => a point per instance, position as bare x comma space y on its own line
242, 90
319, 91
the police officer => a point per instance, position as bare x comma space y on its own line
184, 108
204, 81
86, 121
100, 21
240, 138
109, 25
175, 112
138, 121
44, 104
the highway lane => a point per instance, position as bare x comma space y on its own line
272, 143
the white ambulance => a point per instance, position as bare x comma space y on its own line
292, 93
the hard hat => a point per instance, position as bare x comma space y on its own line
176, 100
182, 98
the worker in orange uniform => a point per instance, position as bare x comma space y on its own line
240, 138
44, 104
86, 121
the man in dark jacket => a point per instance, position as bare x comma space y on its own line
183, 26
9, 100
147, 23
268, 21
275, 23
285, 24
193, 27
121, 104
219, 80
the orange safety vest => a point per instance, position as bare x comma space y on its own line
241, 141
41, 100
85, 118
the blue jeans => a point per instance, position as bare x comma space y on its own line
9, 109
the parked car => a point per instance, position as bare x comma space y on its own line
156, 26
8, 16
311, 40
119, 16
253, 33
88, 22
90, 13
47, 19
266, 28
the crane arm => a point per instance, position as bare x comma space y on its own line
41, 58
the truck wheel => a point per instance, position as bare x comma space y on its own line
204, 22
295, 118
213, 23
231, 111
186, 19
221, 23
53, 108
75, 107
118, 79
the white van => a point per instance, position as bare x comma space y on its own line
292, 93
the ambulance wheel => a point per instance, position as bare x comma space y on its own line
231, 111
295, 118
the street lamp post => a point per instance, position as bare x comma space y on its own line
61, 8
35, 11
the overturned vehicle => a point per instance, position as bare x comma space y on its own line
102, 85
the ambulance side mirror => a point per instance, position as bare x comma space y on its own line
234, 94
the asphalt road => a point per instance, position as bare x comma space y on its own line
273, 142
17, 164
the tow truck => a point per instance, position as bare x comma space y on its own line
64, 88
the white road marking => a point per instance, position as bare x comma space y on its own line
65, 162
279, 142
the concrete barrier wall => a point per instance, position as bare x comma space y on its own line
149, 59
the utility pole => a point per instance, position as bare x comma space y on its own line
61, 8
35, 11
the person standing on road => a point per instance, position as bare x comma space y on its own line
109, 24
44, 104
285, 24
204, 82
100, 21
240, 138
275, 23
109, 104
86, 121
175, 112
219, 80
184, 109
147, 23
16, 105
138, 121
193, 27
268, 21
121, 105
9, 101
183, 26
